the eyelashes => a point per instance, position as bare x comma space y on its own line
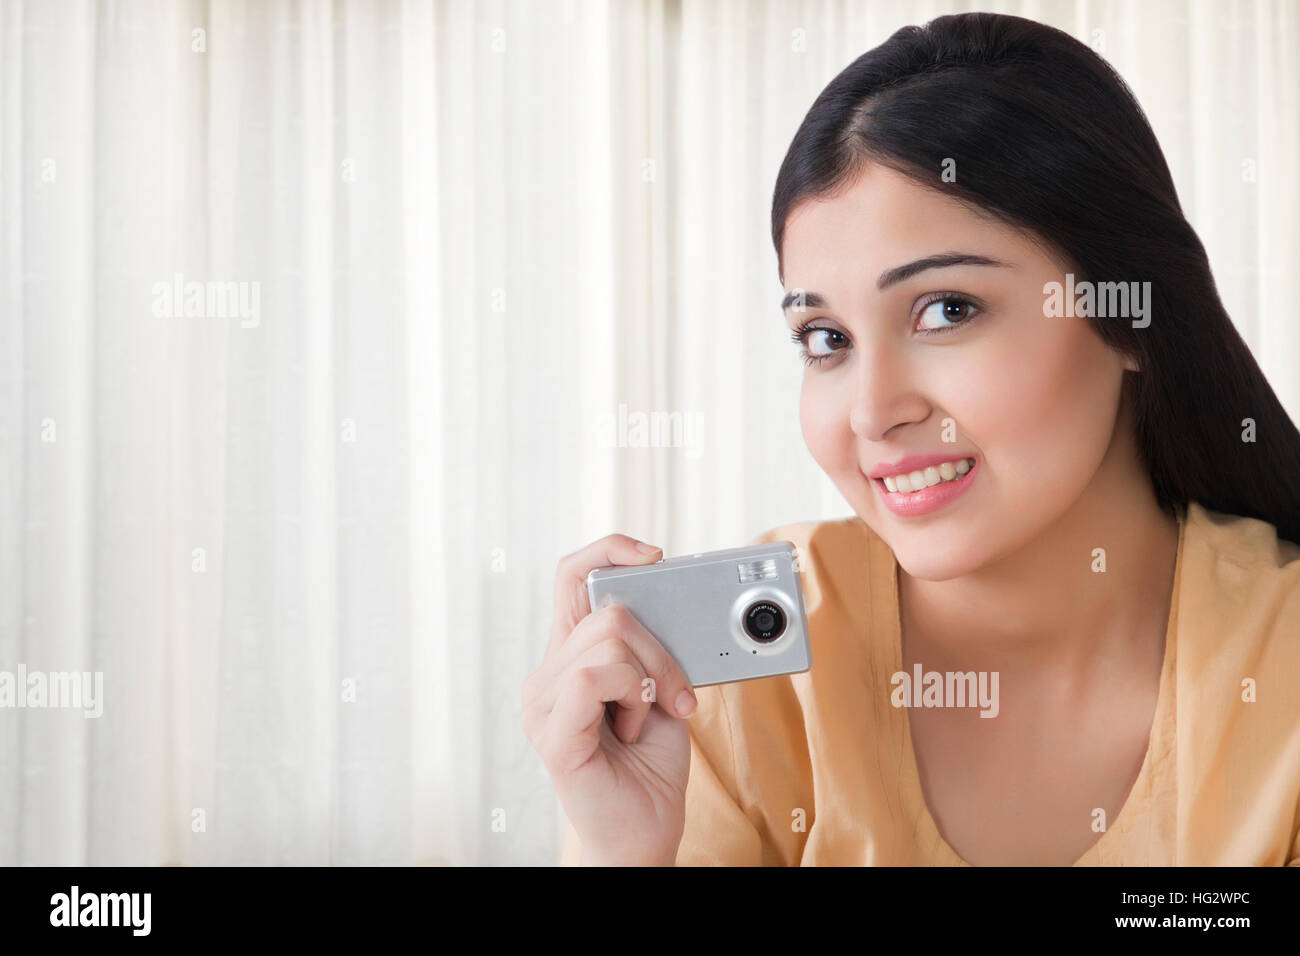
807, 328
800, 337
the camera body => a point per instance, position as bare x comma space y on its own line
729, 615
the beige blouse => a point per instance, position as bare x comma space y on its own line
818, 768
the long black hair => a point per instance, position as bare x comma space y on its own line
1048, 138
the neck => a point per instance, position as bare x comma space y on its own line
1044, 605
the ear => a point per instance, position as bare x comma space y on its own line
1131, 364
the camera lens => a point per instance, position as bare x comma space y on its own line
764, 621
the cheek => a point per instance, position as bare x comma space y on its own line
1050, 404
824, 419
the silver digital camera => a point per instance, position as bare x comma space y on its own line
728, 615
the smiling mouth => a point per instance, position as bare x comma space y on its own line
909, 483
930, 498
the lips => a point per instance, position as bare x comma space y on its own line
927, 500
914, 463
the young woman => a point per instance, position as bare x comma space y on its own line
1070, 480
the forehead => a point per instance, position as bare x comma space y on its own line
884, 219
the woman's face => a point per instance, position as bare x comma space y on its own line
979, 373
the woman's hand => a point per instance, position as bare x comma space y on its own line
623, 786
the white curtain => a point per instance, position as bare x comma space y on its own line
435, 261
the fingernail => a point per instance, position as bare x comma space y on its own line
646, 548
685, 703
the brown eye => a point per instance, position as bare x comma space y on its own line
945, 313
833, 341
818, 343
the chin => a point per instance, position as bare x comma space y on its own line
927, 554
926, 566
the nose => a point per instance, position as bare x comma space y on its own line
883, 395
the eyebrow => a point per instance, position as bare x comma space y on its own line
897, 274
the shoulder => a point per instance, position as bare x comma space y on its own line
1238, 574
1249, 542
1238, 704
1239, 596
1238, 622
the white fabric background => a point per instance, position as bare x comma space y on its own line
477, 228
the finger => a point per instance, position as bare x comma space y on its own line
618, 623
572, 733
627, 720
571, 601
539, 700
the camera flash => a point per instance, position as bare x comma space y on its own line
757, 571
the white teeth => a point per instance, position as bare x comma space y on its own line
927, 478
